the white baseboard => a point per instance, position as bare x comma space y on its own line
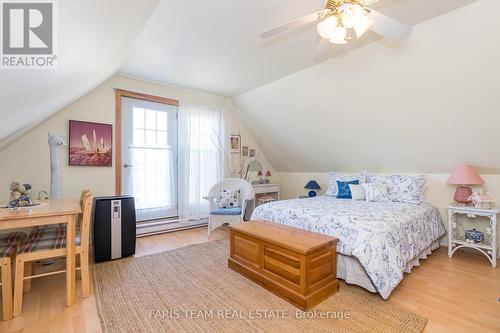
158, 227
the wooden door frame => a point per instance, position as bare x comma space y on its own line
119, 93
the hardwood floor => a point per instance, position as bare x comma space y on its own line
456, 295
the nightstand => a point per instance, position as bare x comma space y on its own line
268, 191
457, 241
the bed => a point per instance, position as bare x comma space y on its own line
378, 241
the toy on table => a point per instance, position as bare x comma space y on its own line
20, 195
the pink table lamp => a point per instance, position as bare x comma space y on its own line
464, 175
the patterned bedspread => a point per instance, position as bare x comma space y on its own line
383, 236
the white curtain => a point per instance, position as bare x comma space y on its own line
202, 146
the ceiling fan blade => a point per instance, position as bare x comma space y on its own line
367, 2
290, 25
388, 27
321, 51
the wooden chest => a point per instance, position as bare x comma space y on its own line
295, 264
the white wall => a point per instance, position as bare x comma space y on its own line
27, 159
93, 38
423, 106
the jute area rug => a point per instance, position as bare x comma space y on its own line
191, 289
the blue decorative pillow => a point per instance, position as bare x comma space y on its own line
345, 190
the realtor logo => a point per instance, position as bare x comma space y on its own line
28, 34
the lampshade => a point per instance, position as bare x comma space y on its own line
339, 35
351, 15
312, 185
325, 28
465, 175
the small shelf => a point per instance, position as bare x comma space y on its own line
481, 246
456, 240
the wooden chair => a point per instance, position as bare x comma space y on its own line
51, 231
8, 248
50, 243
6, 252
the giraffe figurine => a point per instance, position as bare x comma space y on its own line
55, 142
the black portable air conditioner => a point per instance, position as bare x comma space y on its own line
114, 227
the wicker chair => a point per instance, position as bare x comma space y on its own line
220, 216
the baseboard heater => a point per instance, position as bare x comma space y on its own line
148, 228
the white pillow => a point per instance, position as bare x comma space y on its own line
332, 184
228, 199
376, 191
402, 188
409, 189
357, 192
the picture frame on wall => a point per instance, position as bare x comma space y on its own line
244, 151
252, 152
235, 144
90, 144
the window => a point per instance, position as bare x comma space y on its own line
150, 156
171, 157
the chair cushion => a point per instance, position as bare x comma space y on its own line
226, 211
47, 239
12, 237
48, 232
7, 250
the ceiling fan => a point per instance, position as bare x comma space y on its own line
340, 18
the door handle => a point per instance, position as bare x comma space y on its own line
128, 166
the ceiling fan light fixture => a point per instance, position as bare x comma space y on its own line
327, 27
351, 15
339, 35
362, 26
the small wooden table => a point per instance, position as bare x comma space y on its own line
63, 211
295, 264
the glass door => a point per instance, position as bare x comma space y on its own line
149, 157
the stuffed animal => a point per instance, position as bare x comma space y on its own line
20, 195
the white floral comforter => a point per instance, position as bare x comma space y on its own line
383, 236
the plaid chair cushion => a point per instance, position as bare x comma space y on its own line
12, 237
7, 250
48, 238
48, 232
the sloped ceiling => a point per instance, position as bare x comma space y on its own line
214, 46
424, 106
94, 38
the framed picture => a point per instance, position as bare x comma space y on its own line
251, 153
90, 144
235, 144
244, 151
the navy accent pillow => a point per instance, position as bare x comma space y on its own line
345, 190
